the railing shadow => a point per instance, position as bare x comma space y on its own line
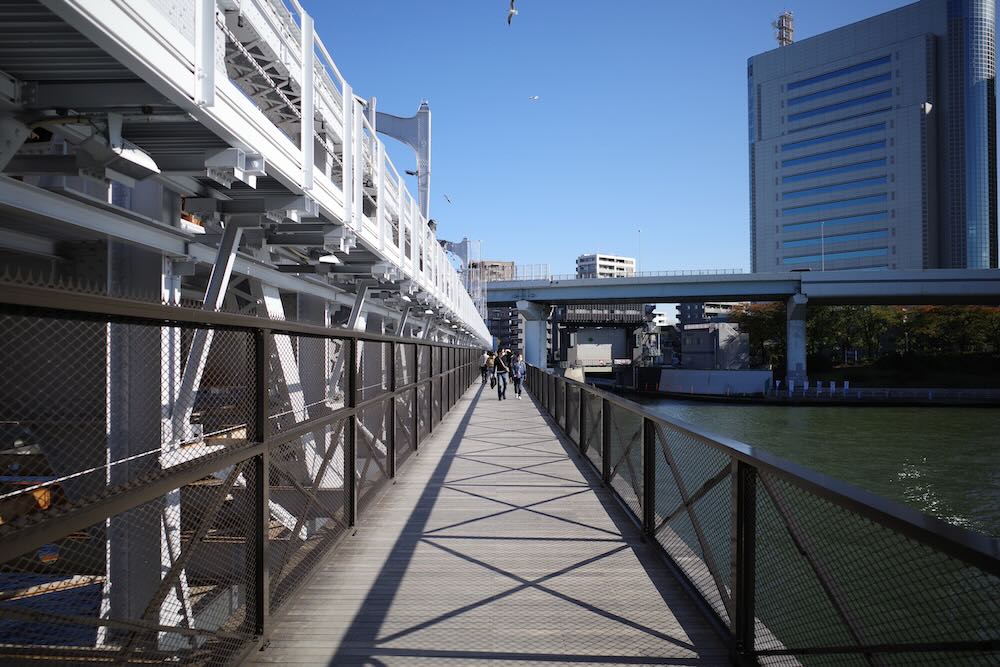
365, 642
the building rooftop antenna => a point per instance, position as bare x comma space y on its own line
785, 28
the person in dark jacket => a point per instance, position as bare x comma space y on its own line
501, 366
517, 372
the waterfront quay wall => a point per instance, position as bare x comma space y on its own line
712, 382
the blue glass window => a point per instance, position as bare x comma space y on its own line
850, 150
850, 69
836, 136
833, 171
853, 85
842, 203
842, 119
842, 220
834, 256
836, 187
846, 104
837, 238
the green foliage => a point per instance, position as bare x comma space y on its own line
765, 325
835, 333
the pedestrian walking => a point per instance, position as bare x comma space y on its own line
517, 372
482, 365
501, 367
491, 369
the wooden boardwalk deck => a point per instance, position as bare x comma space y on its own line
497, 546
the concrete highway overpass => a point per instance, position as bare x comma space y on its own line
944, 286
797, 289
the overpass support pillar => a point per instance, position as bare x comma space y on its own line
795, 354
536, 317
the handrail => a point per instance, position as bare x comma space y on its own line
286, 487
101, 306
968, 544
832, 552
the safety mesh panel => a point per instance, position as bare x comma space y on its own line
423, 362
405, 442
573, 412
87, 405
826, 576
373, 369
561, 403
167, 580
435, 360
405, 364
625, 453
372, 452
300, 374
307, 511
594, 425
423, 411
436, 400
694, 510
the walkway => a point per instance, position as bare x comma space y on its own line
496, 547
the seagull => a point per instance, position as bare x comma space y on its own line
534, 98
447, 199
512, 12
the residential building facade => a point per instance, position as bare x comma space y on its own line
699, 313
599, 265
492, 270
873, 146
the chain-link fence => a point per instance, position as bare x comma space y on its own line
169, 477
796, 568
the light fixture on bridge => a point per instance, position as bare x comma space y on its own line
428, 312
404, 297
330, 259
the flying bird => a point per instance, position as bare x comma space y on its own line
447, 199
512, 12
534, 98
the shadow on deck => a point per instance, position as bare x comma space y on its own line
498, 545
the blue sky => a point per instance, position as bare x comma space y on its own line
641, 121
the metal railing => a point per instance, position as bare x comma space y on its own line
533, 273
145, 517
794, 567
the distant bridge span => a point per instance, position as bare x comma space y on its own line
944, 286
798, 289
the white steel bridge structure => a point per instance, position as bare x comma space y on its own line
218, 140
206, 159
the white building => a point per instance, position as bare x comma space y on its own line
599, 265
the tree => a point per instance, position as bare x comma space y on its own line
764, 324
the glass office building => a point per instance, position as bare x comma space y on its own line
873, 146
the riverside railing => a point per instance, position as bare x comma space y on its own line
795, 567
170, 476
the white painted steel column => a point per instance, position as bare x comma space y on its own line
204, 53
347, 155
358, 181
308, 111
796, 340
536, 317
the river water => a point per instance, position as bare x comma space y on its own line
943, 461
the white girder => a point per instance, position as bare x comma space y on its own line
136, 34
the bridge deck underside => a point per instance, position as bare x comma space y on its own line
497, 546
